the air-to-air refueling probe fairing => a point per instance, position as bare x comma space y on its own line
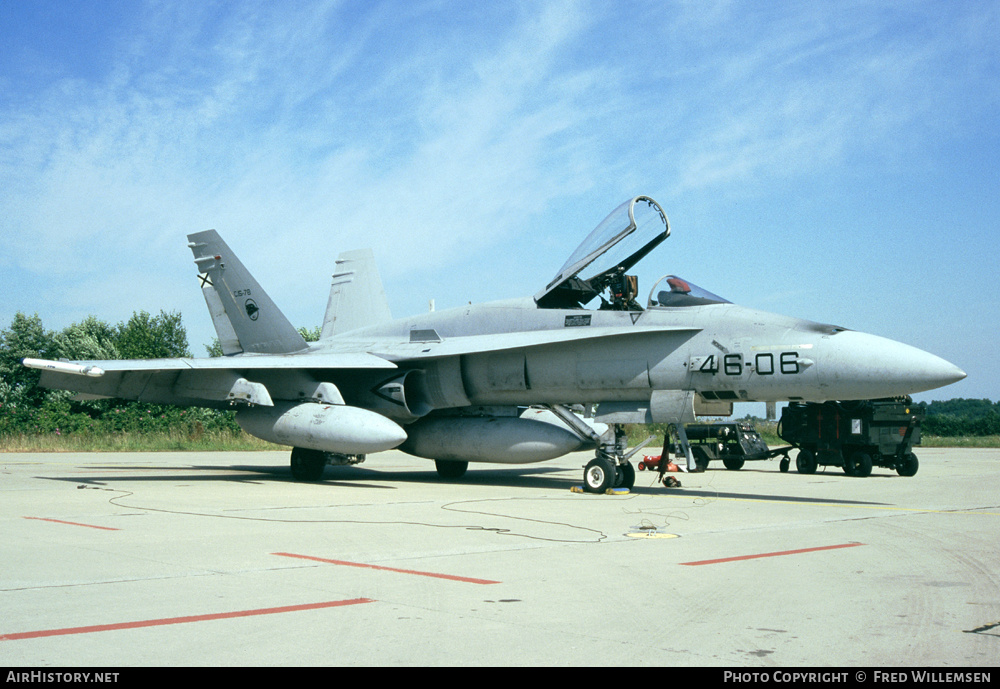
503, 381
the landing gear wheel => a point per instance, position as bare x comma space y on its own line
805, 463
450, 469
909, 466
625, 476
599, 475
861, 462
307, 465
734, 463
784, 464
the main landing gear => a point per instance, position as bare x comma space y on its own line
450, 469
611, 468
308, 465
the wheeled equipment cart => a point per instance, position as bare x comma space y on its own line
855, 435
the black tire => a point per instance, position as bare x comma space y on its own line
307, 465
805, 463
734, 463
784, 464
625, 476
909, 466
450, 469
861, 463
599, 475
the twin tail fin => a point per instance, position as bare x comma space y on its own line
245, 318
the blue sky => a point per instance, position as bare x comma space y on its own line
834, 161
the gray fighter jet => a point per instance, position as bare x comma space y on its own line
504, 381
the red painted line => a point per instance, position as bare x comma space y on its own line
180, 620
60, 521
452, 577
783, 552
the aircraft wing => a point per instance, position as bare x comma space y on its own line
204, 382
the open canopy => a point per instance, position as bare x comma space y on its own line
621, 240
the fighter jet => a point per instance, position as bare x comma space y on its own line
505, 381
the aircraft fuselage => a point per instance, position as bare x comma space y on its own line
723, 352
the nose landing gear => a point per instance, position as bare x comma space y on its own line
611, 467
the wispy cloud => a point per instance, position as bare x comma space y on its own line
281, 124
773, 93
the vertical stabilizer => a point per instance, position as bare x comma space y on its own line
255, 323
357, 298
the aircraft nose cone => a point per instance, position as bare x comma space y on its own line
949, 373
870, 367
922, 368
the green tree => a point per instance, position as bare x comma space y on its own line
214, 349
91, 338
310, 334
962, 417
25, 338
151, 337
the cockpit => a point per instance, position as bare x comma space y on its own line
672, 291
598, 268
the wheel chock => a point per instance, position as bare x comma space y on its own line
609, 491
